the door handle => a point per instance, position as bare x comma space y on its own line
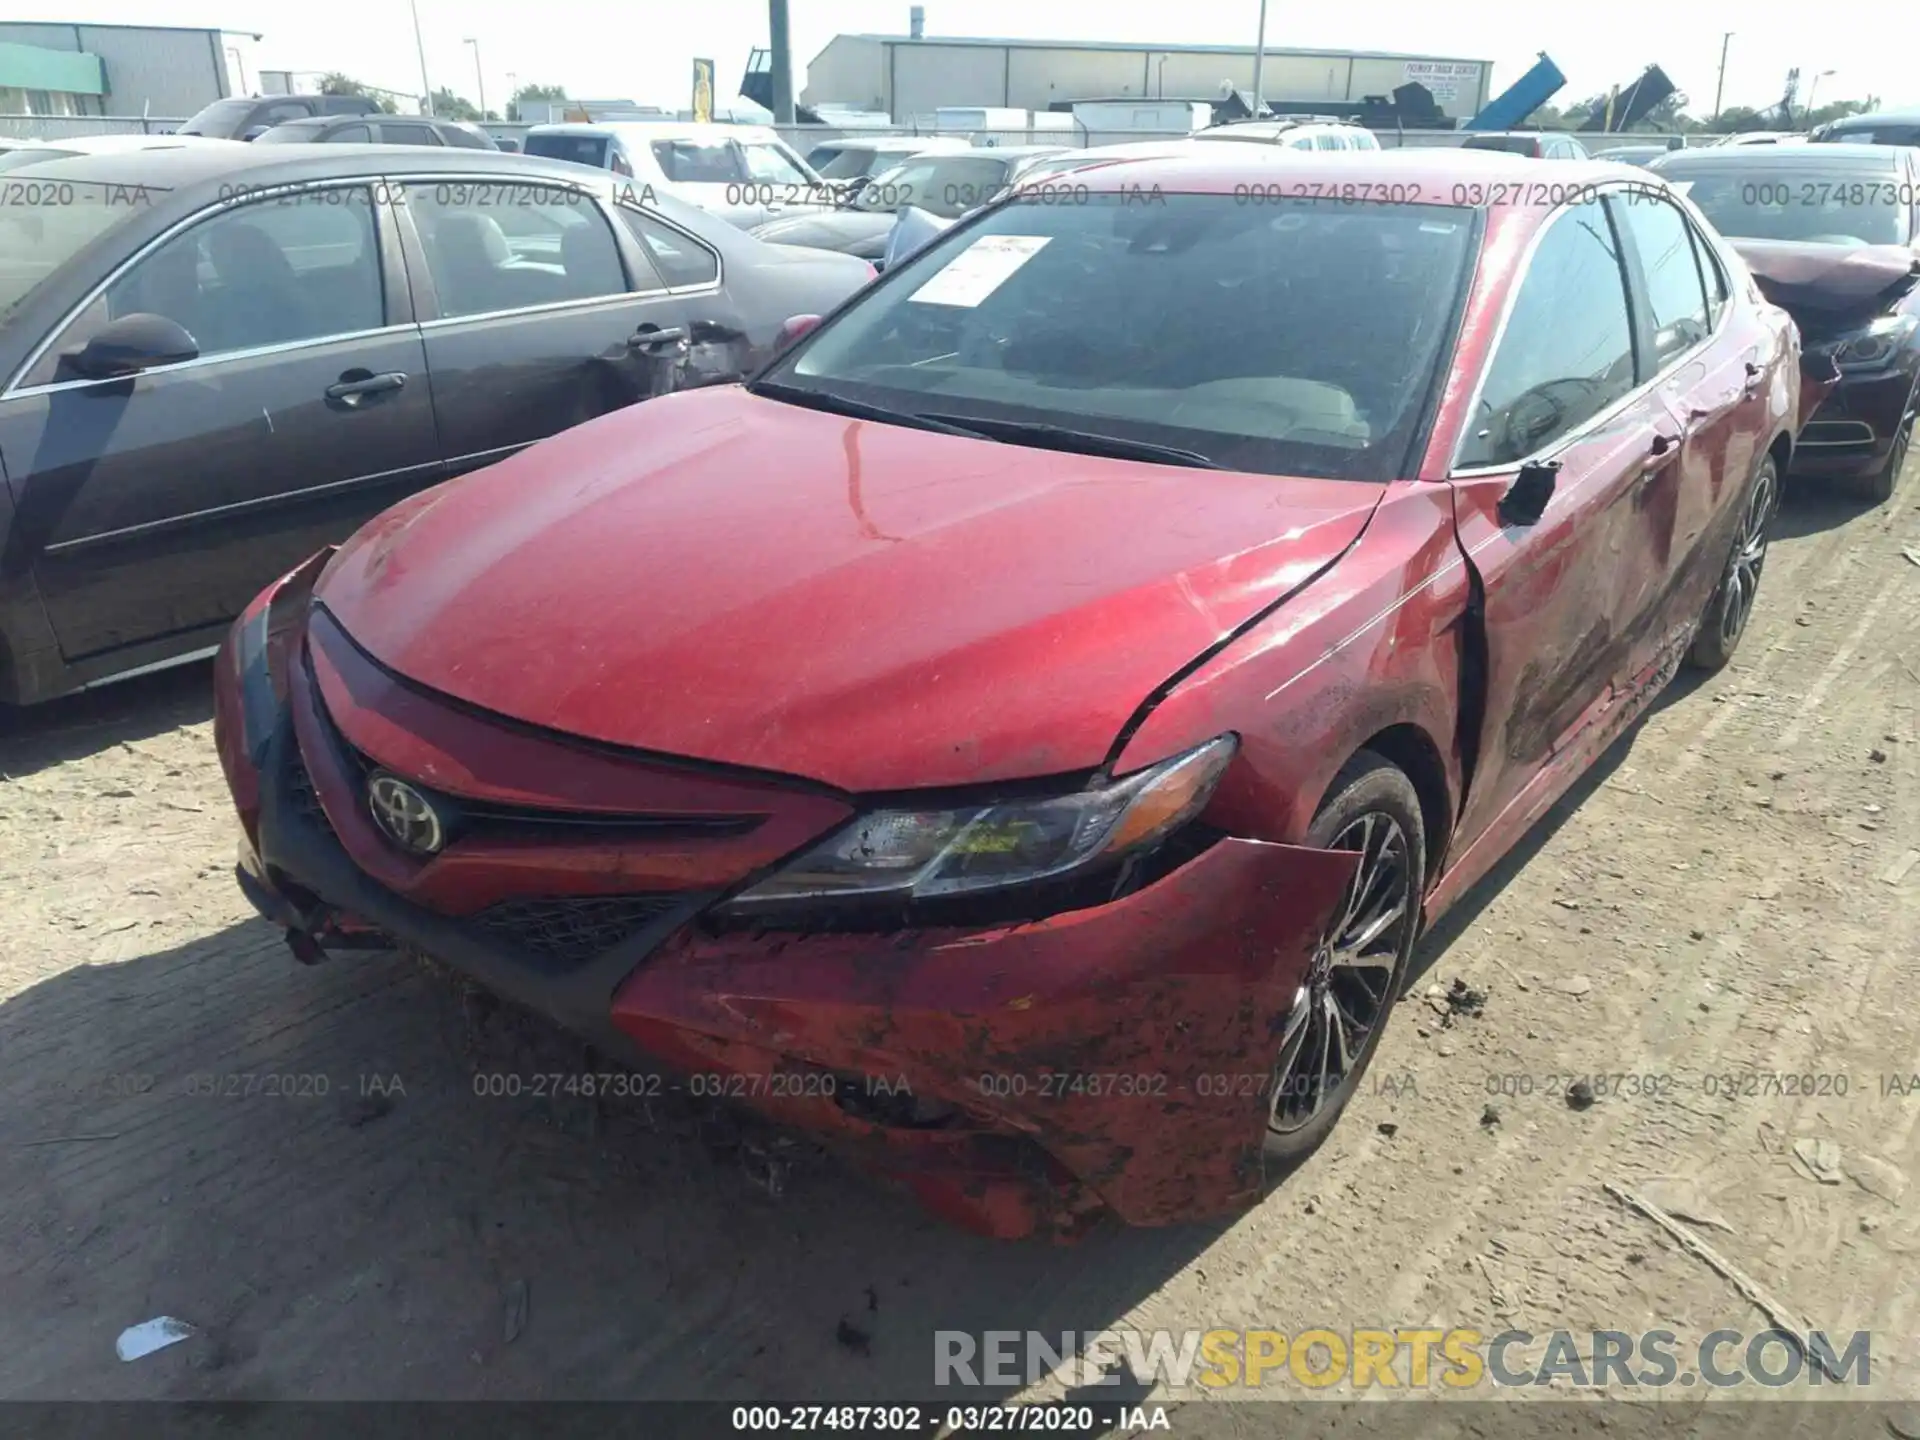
351, 392
1662, 453
652, 338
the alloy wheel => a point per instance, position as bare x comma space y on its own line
1350, 984
1749, 558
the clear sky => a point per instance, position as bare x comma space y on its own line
642, 49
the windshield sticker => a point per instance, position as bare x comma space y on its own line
979, 270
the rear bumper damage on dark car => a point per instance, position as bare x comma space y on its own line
1015, 1077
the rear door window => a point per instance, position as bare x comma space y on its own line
1567, 351
681, 260
1714, 276
404, 134
1669, 272
576, 149
492, 247
351, 135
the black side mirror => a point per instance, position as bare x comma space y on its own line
1527, 498
254, 132
129, 345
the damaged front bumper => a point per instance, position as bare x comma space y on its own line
1852, 433
1016, 1078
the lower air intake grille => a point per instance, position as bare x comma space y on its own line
569, 930
306, 800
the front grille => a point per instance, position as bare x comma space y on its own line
568, 930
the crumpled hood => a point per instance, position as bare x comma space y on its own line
721, 576
1827, 282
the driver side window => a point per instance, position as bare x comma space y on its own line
1567, 353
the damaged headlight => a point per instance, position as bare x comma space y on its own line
937, 853
1874, 347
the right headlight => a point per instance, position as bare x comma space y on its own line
1874, 346
937, 853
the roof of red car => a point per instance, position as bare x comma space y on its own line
1427, 173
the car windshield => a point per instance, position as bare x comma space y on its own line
46, 222
830, 162
579, 149
221, 118
1058, 165
1881, 134
946, 185
1293, 338
1515, 144
700, 162
1851, 206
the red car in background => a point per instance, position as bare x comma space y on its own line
1065, 682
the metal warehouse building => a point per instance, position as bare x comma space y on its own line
908, 77
48, 69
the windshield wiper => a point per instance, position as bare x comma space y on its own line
860, 409
1081, 442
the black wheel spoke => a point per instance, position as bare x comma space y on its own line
1350, 986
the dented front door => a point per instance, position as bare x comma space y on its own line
1561, 388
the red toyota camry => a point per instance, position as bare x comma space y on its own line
1019, 736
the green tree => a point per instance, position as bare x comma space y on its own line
1578, 113
1670, 115
449, 106
1736, 119
334, 83
1840, 109
533, 92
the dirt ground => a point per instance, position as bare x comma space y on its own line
1734, 892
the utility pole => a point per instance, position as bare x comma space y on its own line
1259, 58
782, 58
426, 85
1720, 85
479, 80
1812, 90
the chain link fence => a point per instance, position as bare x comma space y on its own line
70, 127
804, 137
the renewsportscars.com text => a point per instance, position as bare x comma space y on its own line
1413, 1359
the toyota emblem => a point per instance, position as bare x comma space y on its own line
405, 815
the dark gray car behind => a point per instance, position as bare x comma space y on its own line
363, 321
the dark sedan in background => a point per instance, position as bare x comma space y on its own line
247, 118
215, 359
944, 185
1832, 235
378, 130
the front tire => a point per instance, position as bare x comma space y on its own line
1880, 485
1732, 603
1361, 964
